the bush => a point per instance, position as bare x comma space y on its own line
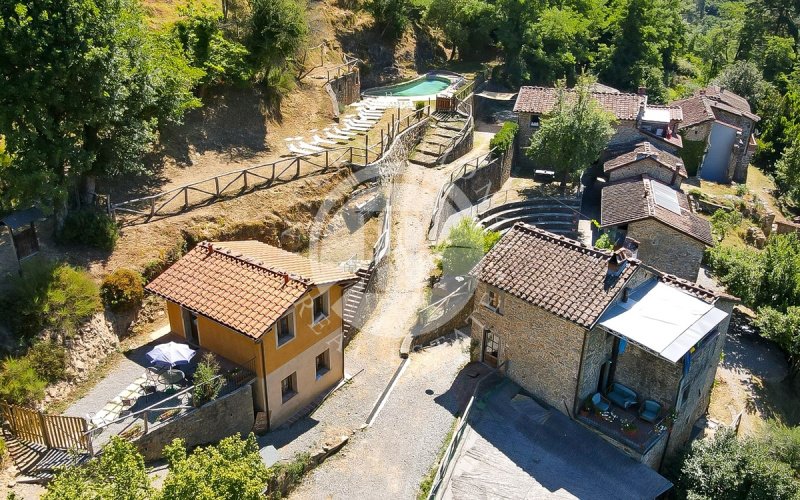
739, 269
391, 16
55, 296
19, 383
604, 242
465, 245
503, 139
49, 360
122, 290
206, 383
89, 227
723, 221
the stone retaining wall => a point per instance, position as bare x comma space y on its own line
344, 90
231, 414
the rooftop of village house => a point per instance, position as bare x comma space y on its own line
645, 150
701, 106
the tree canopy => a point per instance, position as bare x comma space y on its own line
572, 136
85, 86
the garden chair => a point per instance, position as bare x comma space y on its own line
649, 411
600, 403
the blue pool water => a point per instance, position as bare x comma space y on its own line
419, 87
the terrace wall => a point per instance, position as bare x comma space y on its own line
666, 249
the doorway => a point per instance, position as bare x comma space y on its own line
491, 348
190, 327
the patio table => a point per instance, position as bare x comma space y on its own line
172, 377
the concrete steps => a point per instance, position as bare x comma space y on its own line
352, 299
437, 138
558, 216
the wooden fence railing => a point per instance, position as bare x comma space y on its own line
235, 183
53, 431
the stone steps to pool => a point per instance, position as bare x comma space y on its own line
438, 138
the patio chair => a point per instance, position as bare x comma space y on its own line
151, 380
650, 411
600, 403
622, 396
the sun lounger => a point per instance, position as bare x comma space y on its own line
340, 138
311, 147
347, 131
360, 123
298, 151
319, 140
357, 126
365, 112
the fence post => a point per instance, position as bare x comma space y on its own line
45, 434
152, 207
366, 149
145, 420
381, 142
297, 171
351, 154
244, 176
185, 198
326, 160
216, 184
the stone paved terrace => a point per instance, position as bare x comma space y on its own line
517, 448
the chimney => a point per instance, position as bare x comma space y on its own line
617, 262
210, 248
632, 246
642, 91
625, 294
285, 279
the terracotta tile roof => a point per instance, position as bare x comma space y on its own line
633, 199
542, 100
690, 287
555, 273
700, 107
318, 273
239, 292
645, 150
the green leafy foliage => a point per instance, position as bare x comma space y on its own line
723, 221
466, 244
122, 290
48, 359
278, 28
19, 383
783, 328
573, 135
53, 296
88, 85
207, 384
739, 269
231, 469
787, 173
604, 242
391, 16
118, 474
89, 227
745, 79
466, 24
726, 467
504, 138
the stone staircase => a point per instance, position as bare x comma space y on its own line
438, 137
557, 215
352, 300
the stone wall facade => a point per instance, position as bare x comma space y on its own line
650, 376
667, 249
741, 155
596, 351
646, 166
694, 393
542, 352
231, 414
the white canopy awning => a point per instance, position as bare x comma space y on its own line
662, 319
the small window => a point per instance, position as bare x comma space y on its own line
289, 387
285, 329
320, 307
535, 121
323, 363
492, 301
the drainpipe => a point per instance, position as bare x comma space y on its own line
264, 381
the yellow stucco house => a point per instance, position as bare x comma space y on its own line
269, 310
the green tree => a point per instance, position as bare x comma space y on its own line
278, 29
725, 467
779, 56
466, 24
784, 329
787, 171
572, 136
466, 244
744, 78
85, 86
391, 16
231, 469
19, 382
118, 474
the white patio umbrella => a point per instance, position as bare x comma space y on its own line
171, 353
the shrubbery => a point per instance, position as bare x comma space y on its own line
391, 16
722, 221
122, 290
206, 383
19, 382
89, 227
464, 247
604, 242
48, 359
54, 296
504, 138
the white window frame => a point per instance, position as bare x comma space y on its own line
487, 301
327, 306
293, 321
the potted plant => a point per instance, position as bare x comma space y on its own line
629, 427
586, 407
670, 417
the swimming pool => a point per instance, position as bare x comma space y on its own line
424, 86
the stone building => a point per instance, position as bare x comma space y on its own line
670, 236
566, 322
722, 123
646, 159
636, 120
